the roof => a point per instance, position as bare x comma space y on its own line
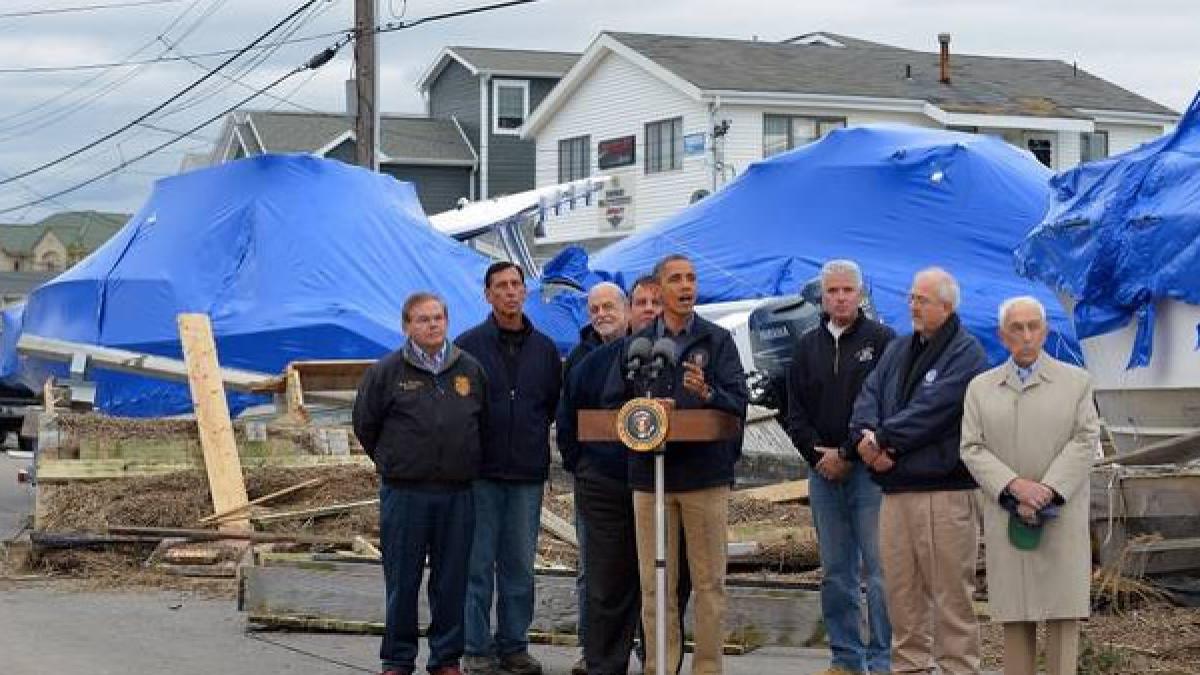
402, 138
983, 84
491, 61
22, 283
78, 230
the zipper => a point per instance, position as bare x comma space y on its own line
837, 353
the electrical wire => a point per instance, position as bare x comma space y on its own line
86, 8
157, 108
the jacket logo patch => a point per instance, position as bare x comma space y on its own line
411, 385
865, 354
931, 376
462, 385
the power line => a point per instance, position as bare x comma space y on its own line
86, 8
401, 25
312, 64
159, 59
160, 106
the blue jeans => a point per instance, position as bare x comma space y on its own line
846, 515
581, 578
414, 522
507, 520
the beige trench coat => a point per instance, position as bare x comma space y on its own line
1045, 429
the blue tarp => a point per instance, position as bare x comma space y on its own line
1124, 233
893, 198
293, 257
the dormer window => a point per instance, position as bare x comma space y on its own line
510, 106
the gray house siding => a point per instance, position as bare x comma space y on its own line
513, 161
438, 187
455, 93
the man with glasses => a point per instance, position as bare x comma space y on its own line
419, 416
906, 428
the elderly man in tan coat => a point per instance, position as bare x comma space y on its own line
1029, 431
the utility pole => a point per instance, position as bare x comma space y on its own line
366, 73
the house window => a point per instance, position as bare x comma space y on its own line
52, 261
574, 158
1043, 150
1093, 146
510, 106
785, 132
664, 145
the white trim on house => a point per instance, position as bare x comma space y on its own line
1128, 117
257, 136
800, 99
815, 39
523, 85
434, 69
591, 57
235, 136
337, 140
1024, 122
483, 137
427, 161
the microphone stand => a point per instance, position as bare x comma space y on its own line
650, 372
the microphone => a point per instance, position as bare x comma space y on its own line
663, 353
637, 357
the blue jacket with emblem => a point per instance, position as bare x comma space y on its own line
920, 425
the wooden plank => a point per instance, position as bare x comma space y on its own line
213, 535
225, 480
366, 548
1169, 451
67, 470
558, 527
778, 493
124, 361
262, 500
320, 375
317, 512
352, 592
686, 425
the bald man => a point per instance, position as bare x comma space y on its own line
906, 428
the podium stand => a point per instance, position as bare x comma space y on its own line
644, 425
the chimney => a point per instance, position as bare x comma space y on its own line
944, 61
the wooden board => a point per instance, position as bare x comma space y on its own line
1169, 451
778, 493
558, 527
67, 470
352, 593
225, 480
686, 425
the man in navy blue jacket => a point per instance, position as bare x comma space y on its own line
524, 376
906, 427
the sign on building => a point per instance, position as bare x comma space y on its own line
616, 204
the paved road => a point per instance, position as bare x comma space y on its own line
46, 630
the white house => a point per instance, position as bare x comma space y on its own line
673, 118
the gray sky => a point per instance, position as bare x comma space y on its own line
1148, 47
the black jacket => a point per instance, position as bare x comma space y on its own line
589, 339
595, 381
921, 428
824, 379
695, 466
516, 443
422, 427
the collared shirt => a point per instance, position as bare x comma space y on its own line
432, 362
660, 328
1025, 372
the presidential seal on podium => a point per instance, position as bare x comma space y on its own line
642, 424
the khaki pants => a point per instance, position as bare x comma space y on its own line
1062, 647
704, 516
928, 543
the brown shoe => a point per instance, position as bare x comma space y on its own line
520, 663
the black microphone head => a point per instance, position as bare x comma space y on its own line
664, 349
639, 349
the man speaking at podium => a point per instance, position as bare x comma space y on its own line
698, 476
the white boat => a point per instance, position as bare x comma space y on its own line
1162, 400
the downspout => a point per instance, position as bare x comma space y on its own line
485, 130
713, 107
475, 155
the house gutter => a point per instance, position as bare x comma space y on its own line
475, 166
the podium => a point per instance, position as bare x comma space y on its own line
645, 425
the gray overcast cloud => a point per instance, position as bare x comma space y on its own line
1148, 47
